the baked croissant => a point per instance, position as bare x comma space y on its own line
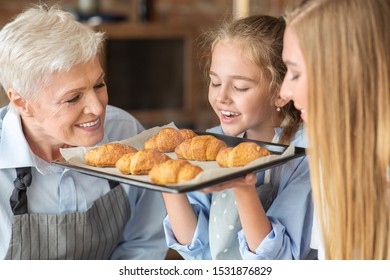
107, 154
174, 171
168, 138
201, 148
241, 154
141, 162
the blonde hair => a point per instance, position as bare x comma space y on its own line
261, 38
345, 45
40, 41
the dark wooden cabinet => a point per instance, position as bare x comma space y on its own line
152, 72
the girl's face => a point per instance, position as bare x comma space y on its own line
294, 85
71, 109
238, 94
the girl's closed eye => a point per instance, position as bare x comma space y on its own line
241, 86
241, 89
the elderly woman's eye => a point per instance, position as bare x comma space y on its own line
74, 99
101, 85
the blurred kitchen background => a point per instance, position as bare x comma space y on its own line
150, 57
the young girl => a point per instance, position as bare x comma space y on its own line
339, 78
268, 216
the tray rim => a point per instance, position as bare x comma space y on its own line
275, 148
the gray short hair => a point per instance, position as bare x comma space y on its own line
41, 41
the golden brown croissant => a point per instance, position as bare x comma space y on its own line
174, 171
168, 138
106, 155
201, 148
141, 162
241, 154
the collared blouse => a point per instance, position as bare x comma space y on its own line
55, 190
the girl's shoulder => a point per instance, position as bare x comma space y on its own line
299, 137
215, 129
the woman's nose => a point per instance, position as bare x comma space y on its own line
94, 104
285, 92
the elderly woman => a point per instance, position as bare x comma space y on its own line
50, 71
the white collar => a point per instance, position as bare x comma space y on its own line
14, 149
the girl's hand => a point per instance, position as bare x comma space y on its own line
243, 182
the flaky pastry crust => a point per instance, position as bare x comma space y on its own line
106, 155
241, 154
201, 148
174, 171
167, 139
141, 162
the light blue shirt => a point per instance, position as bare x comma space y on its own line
56, 190
291, 215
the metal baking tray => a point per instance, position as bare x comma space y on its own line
143, 181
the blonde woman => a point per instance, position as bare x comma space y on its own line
337, 55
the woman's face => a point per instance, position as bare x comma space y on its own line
71, 109
238, 95
294, 85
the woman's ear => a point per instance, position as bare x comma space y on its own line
19, 102
280, 102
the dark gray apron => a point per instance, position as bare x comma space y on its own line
81, 235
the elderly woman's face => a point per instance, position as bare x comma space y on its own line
71, 110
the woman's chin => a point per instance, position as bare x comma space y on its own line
91, 141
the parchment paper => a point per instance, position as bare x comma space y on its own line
211, 170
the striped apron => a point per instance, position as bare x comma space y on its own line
92, 234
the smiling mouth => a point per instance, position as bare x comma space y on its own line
229, 114
89, 124
299, 108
